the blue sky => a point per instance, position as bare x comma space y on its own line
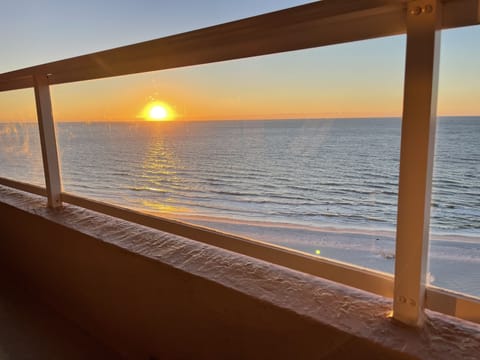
356, 79
37, 31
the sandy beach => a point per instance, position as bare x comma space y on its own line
453, 262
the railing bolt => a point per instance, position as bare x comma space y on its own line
428, 9
417, 10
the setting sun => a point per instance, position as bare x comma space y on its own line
157, 111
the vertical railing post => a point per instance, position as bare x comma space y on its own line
416, 160
48, 142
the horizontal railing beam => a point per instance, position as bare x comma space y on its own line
22, 82
312, 25
33, 189
453, 304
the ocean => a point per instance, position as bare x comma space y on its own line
298, 183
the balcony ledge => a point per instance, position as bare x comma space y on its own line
147, 293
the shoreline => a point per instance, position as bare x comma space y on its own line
329, 229
449, 260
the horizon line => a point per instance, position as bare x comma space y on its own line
392, 117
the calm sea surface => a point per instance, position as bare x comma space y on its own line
294, 176
340, 173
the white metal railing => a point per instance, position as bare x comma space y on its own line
416, 158
48, 142
312, 25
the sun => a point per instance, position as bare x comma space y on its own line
157, 111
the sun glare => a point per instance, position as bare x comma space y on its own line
157, 111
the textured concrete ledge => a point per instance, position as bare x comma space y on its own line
152, 294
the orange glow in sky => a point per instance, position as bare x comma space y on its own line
157, 111
361, 79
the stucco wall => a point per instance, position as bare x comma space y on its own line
152, 295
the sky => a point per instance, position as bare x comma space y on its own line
360, 79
